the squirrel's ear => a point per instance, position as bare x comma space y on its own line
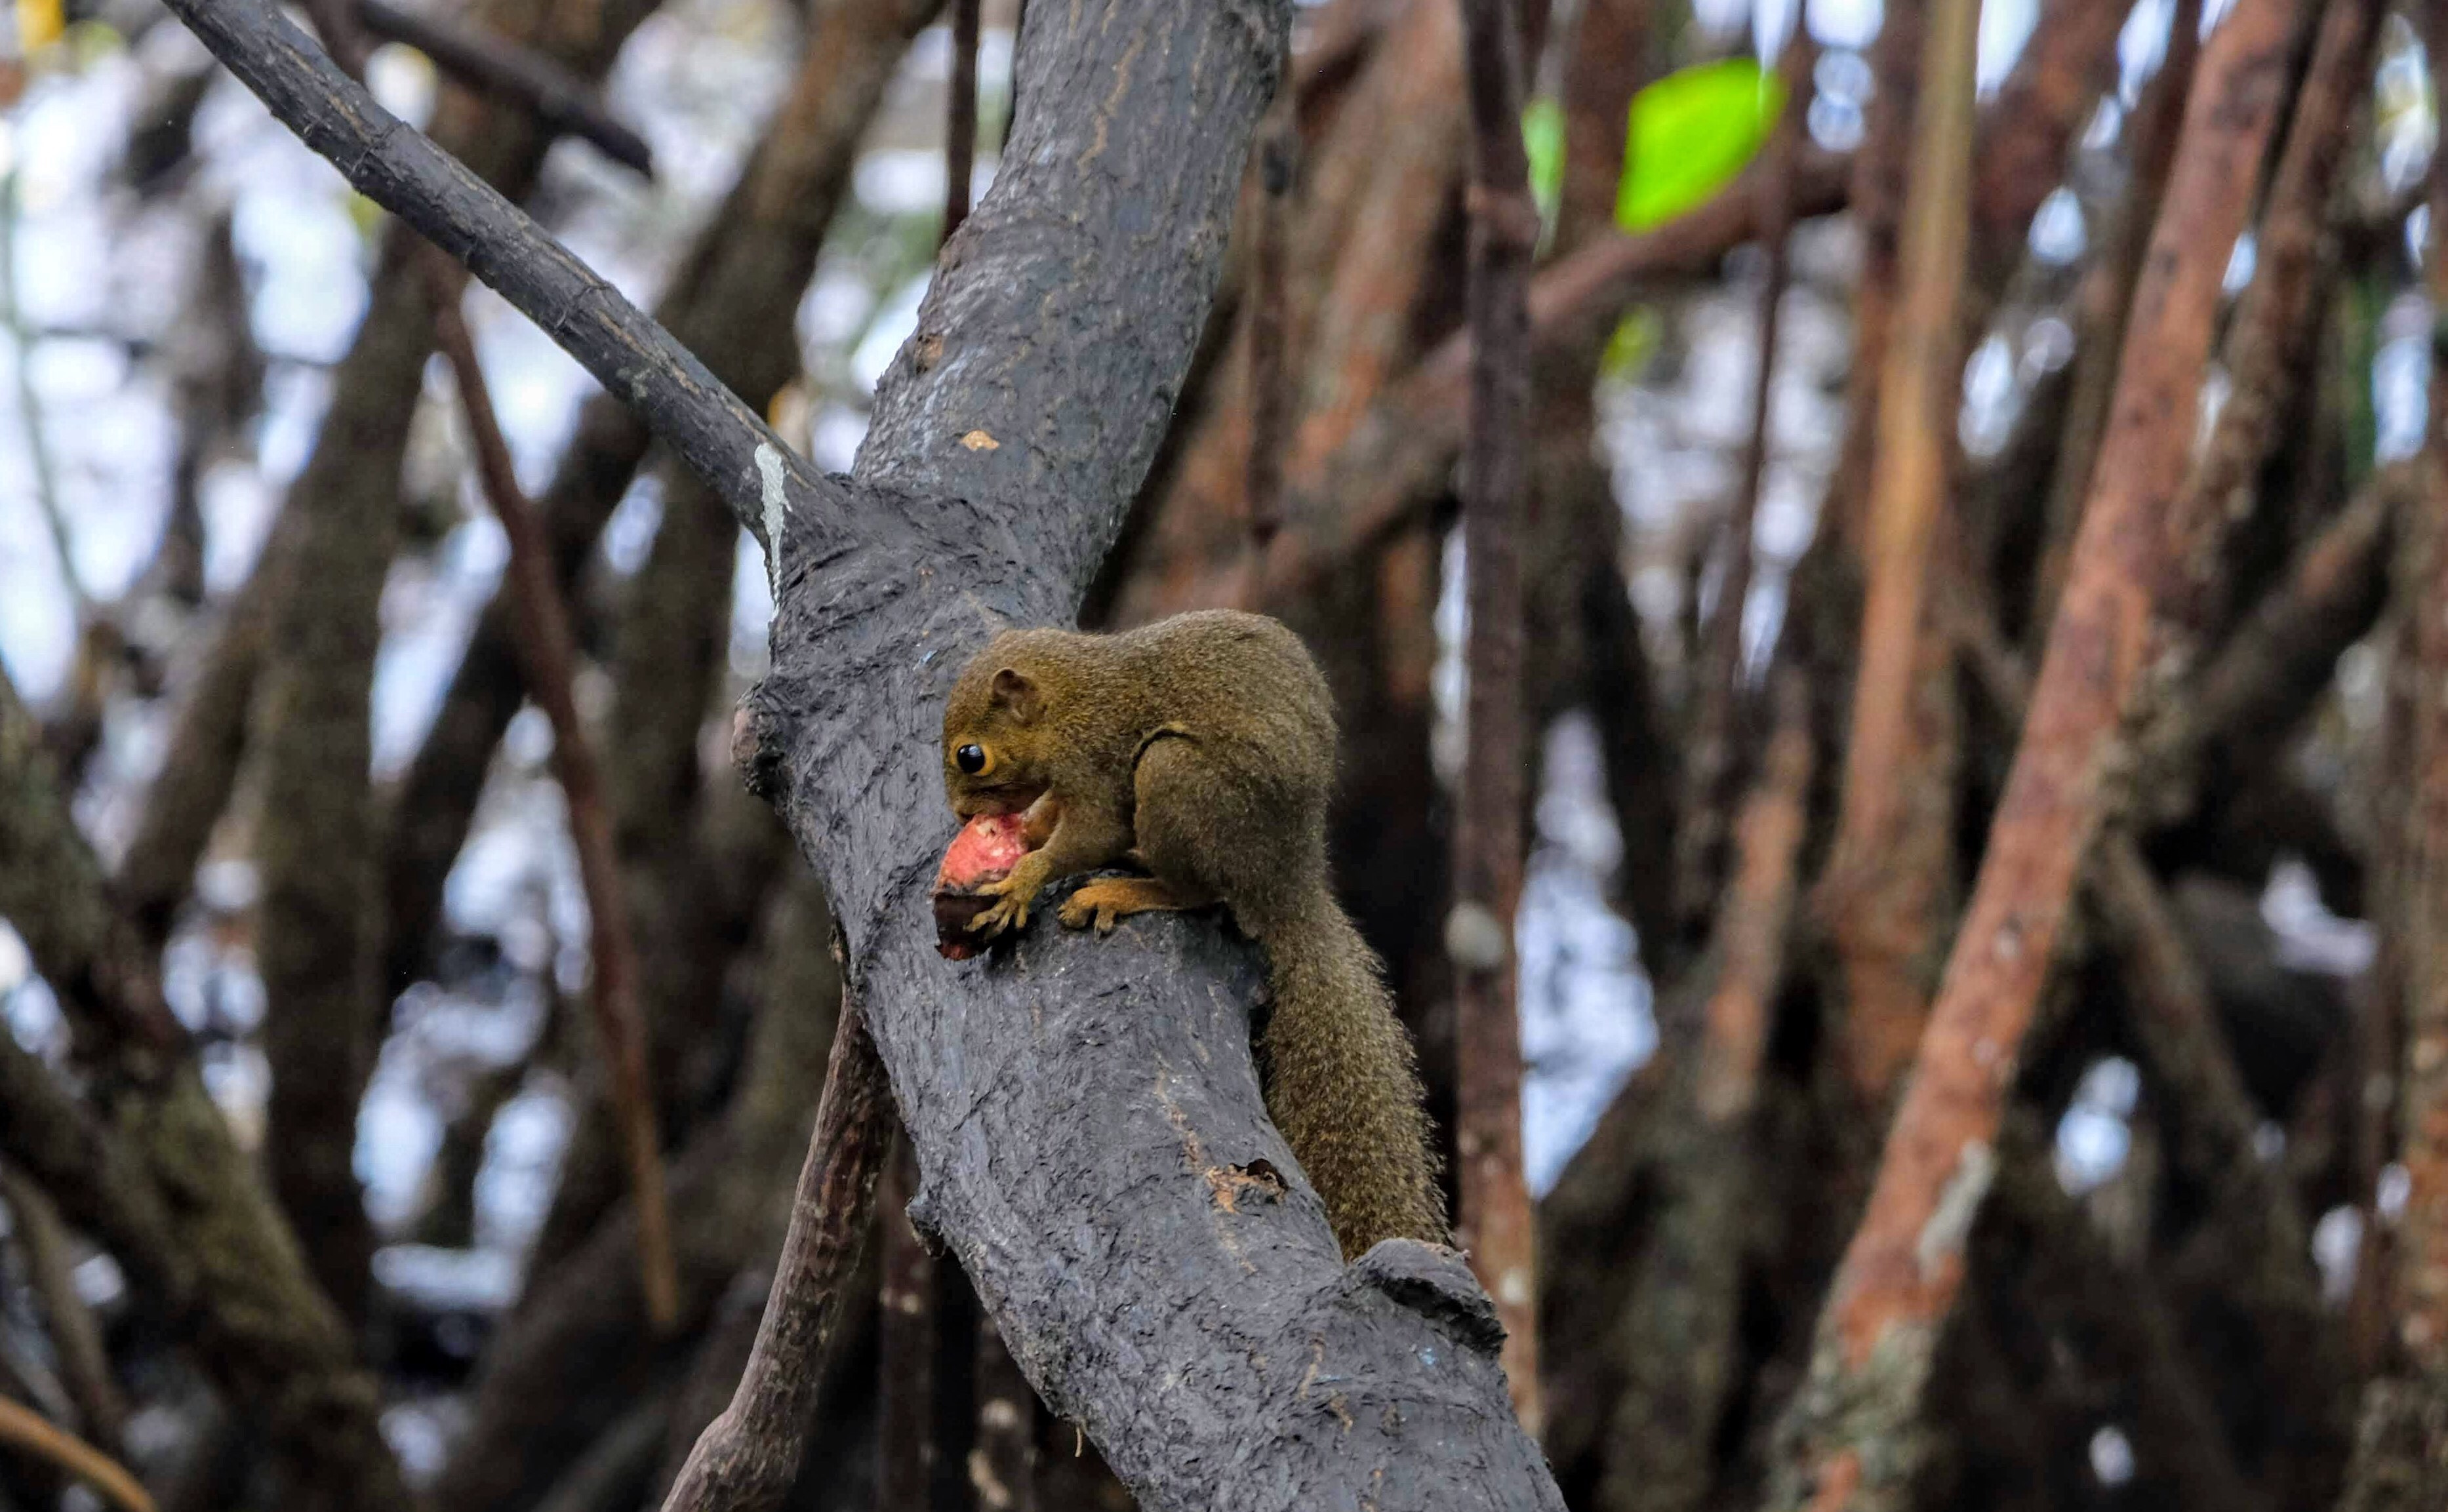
1017, 695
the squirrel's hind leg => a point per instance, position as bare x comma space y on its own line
1107, 899
1214, 822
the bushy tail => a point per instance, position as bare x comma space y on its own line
1343, 1082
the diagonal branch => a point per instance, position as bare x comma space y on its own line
21, 1426
548, 647
556, 96
403, 171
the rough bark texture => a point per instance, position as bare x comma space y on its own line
1904, 1268
669, 656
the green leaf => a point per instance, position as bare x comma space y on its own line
1633, 343
1690, 134
1543, 139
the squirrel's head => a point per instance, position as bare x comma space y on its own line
992, 735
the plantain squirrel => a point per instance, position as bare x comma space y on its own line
1202, 749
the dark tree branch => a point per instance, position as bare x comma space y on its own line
556, 98
76, 1339
1270, 400
571, 1359
1079, 1106
1003, 1465
907, 1338
96, 1181
403, 172
1495, 1207
960, 117
1709, 762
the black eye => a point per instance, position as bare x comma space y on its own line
972, 759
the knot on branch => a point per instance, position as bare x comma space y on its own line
1433, 1282
926, 1222
757, 744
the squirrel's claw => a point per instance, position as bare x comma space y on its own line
1078, 913
1009, 912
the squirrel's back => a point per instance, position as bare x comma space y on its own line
1220, 673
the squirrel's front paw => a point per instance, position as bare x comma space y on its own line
1009, 910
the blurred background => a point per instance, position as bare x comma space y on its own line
250, 613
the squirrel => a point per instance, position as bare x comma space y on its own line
1201, 749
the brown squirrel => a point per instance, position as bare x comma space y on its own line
1202, 749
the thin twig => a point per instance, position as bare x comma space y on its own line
746, 1459
1699, 839
85, 1364
547, 652
908, 1341
1269, 387
960, 117
30, 412
558, 100
21, 1425
1487, 823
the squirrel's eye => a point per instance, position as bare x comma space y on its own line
972, 759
